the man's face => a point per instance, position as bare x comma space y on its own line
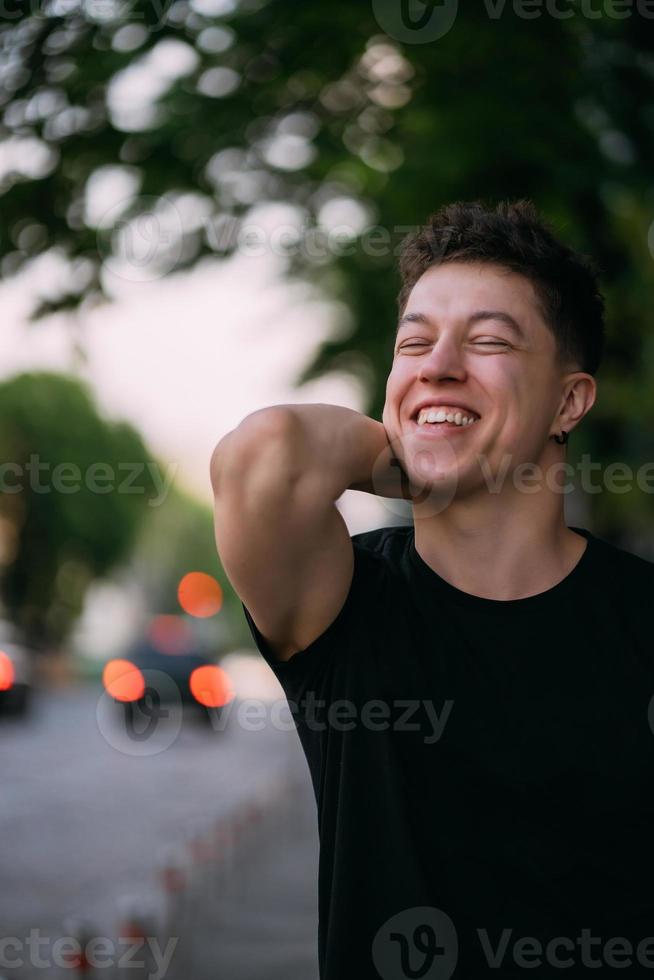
472, 335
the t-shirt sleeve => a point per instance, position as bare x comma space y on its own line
343, 635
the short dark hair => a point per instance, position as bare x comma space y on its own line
513, 235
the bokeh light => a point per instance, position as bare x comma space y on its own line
211, 686
200, 594
6, 671
123, 681
170, 634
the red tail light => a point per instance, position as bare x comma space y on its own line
211, 686
123, 680
6, 672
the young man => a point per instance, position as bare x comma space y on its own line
472, 691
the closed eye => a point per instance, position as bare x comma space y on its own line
425, 343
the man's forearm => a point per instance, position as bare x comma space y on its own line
341, 449
352, 449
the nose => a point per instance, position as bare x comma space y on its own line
444, 362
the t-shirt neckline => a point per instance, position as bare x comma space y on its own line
434, 581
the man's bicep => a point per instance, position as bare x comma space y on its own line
315, 582
290, 561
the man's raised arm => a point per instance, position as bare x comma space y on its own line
283, 543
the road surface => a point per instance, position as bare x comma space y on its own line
88, 816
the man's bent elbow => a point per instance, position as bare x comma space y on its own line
265, 442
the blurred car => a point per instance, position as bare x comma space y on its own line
16, 670
165, 667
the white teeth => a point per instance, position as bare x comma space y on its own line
441, 415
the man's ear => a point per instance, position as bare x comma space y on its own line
580, 392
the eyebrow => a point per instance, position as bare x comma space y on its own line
476, 317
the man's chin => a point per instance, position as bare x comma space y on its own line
432, 482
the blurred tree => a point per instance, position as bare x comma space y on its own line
74, 492
204, 110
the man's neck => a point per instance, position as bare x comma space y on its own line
501, 555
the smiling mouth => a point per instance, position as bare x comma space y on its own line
438, 418
441, 413
435, 429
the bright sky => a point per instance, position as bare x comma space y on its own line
185, 358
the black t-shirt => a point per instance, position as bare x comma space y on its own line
483, 770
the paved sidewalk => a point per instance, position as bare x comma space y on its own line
264, 925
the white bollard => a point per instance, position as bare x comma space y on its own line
137, 931
200, 847
173, 879
81, 931
223, 867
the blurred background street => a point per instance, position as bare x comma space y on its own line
89, 829
202, 206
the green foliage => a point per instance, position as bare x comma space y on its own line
322, 105
74, 493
